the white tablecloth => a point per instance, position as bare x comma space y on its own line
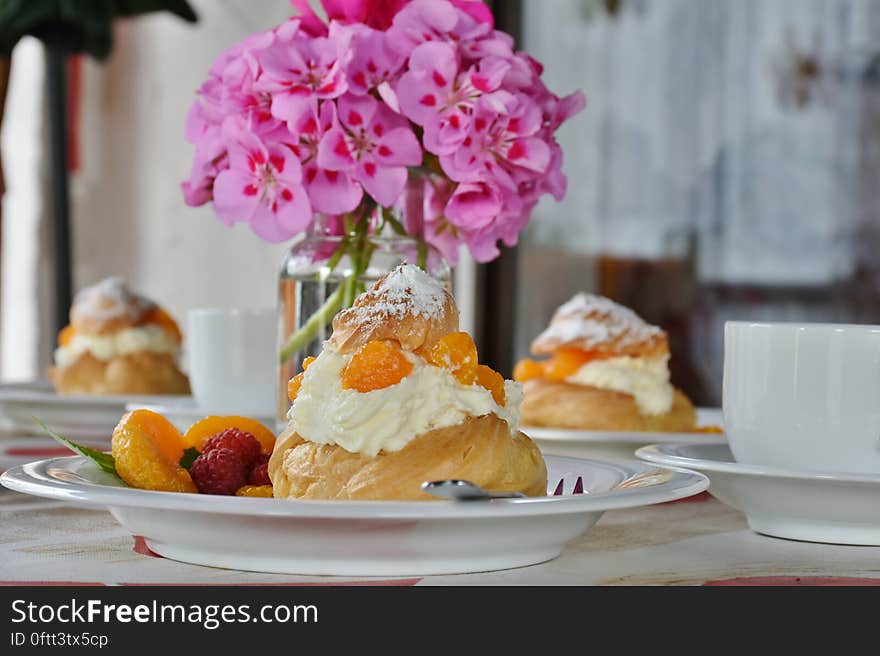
684, 543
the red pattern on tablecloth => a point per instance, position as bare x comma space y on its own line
37, 452
795, 580
89, 584
140, 547
308, 584
335, 584
702, 496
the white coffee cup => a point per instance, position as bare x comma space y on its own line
233, 366
803, 397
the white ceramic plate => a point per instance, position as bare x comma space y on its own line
574, 437
183, 412
839, 509
74, 416
361, 538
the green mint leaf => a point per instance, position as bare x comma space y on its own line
189, 457
103, 460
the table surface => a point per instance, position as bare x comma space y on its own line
696, 541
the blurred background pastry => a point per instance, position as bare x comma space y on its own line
397, 397
118, 342
607, 370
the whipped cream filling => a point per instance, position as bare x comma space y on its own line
122, 342
388, 419
645, 379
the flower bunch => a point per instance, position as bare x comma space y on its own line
336, 117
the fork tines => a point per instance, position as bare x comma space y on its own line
578, 487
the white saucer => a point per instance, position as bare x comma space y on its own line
815, 507
361, 538
575, 437
75, 416
183, 412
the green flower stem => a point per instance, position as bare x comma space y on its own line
422, 257
318, 320
357, 245
337, 254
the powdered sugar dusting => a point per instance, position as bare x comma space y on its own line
110, 299
406, 291
590, 320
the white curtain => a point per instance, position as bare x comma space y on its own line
26, 335
749, 122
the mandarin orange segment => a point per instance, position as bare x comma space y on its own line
375, 366
159, 317
202, 430
565, 362
296, 382
293, 386
707, 429
259, 491
466, 376
492, 381
147, 449
455, 351
527, 370
66, 335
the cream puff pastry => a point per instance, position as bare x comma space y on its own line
118, 343
397, 397
608, 370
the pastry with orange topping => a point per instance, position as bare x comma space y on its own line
118, 342
398, 397
607, 369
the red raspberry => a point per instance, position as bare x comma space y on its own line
243, 443
218, 471
260, 473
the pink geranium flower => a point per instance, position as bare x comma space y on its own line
298, 69
458, 21
263, 187
476, 215
331, 192
483, 243
374, 63
328, 114
209, 160
437, 230
243, 98
474, 205
433, 94
377, 14
498, 145
228, 91
374, 144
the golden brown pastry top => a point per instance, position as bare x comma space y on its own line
599, 325
407, 305
107, 307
